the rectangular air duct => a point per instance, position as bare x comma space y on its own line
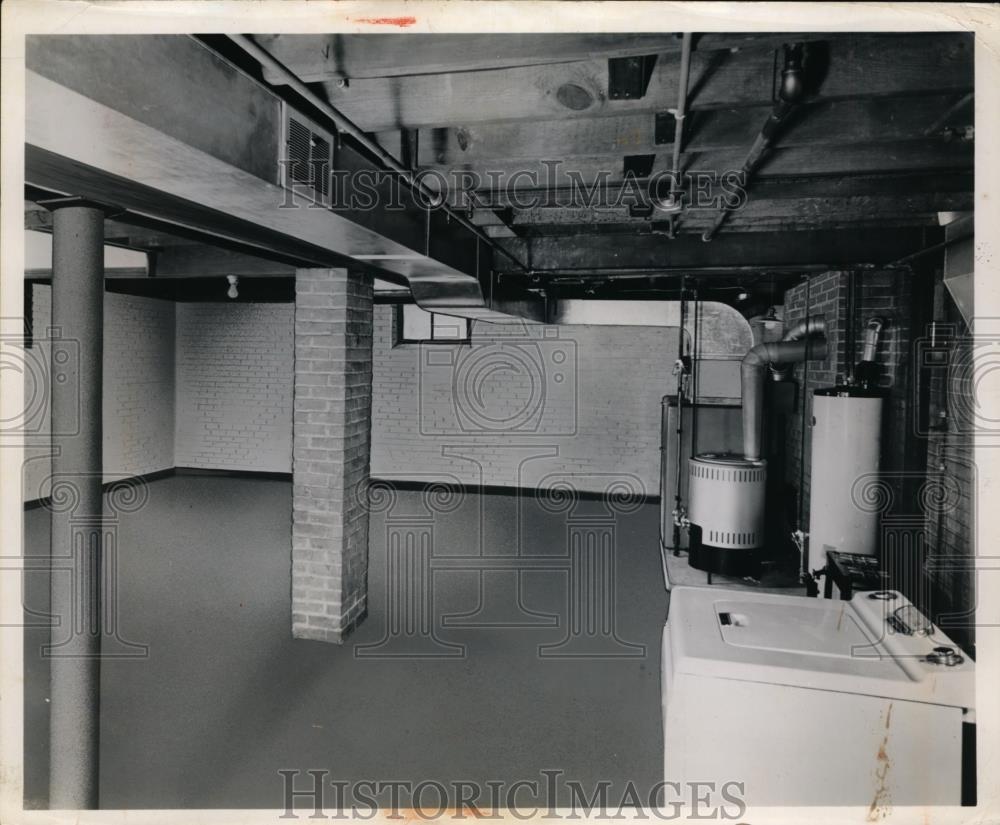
959, 265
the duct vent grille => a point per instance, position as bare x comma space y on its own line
306, 160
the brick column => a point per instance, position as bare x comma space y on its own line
331, 435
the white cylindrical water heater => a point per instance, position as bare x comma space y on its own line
844, 489
726, 502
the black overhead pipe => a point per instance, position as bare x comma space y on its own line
789, 96
672, 203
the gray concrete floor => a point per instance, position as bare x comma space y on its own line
226, 698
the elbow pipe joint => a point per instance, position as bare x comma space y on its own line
813, 325
752, 372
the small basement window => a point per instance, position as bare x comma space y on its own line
415, 326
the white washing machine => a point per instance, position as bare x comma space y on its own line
816, 702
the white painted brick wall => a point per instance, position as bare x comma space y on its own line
138, 417
234, 386
603, 418
599, 417
233, 395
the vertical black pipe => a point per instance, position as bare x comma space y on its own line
693, 382
802, 443
678, 469
850, 345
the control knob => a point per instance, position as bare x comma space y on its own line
946, 656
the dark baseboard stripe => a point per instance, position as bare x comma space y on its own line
206, 471
396, 484
495, 490
35, 503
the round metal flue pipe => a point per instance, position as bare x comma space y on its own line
752, 372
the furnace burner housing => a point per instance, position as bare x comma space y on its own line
727, 513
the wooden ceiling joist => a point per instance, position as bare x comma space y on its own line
145, 151
760, 209
825, 123
856, 177
732, 250
332, 57
528, 174
860, 67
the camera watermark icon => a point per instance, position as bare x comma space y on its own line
503, 385
49, 360
964, 368
83, 565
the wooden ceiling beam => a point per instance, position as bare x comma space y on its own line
145, 151
331, 57
739, 250
764, 207
39, 219
537, 174
697, 225
824, 123
202, 261
794, 187
857, 67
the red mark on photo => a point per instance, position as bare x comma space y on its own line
402, 22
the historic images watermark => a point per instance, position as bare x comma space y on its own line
546, 184
549, 796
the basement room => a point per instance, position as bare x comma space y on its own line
427, 422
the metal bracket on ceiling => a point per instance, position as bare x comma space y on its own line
664, 127
628, 77
51, 204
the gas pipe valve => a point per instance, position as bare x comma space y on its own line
680, 517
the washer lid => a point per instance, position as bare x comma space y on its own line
797, 628
810, 643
